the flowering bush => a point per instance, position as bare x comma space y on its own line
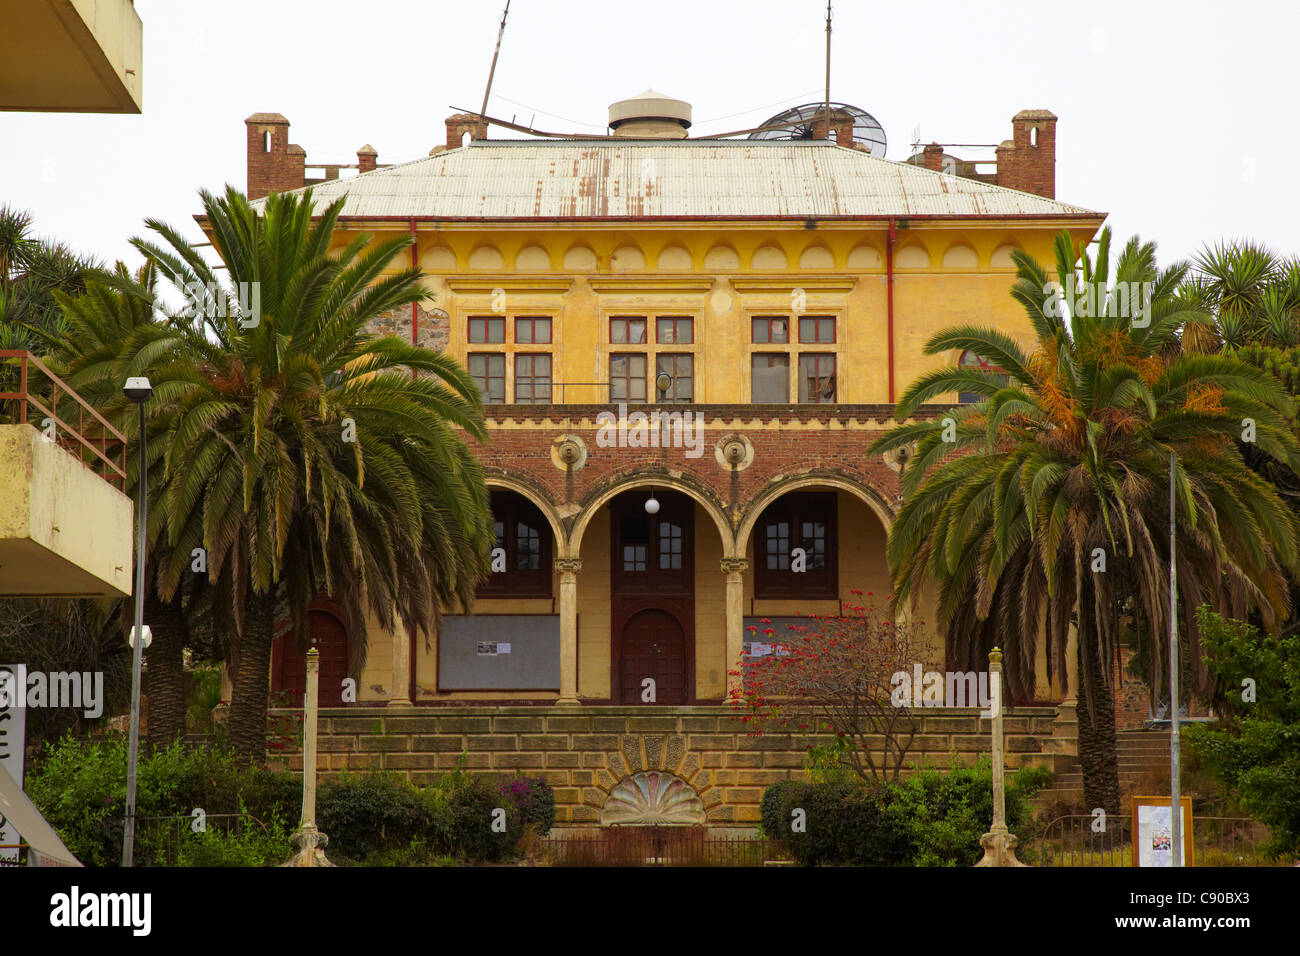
831, 679
535, 801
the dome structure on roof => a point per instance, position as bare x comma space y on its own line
650, 115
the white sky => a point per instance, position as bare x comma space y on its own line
1177, 118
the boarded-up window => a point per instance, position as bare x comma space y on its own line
770, 378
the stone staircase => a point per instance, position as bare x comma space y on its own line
1143, 755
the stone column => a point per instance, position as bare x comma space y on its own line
568, 568
311, 842
402, 665
999, 843
734, 569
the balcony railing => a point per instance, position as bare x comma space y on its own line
100, 446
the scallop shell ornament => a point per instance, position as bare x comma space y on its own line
653, 798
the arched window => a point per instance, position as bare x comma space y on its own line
521, 556
971, 360
805, 520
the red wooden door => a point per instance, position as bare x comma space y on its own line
328, 635
654, 646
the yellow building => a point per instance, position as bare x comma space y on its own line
760, 304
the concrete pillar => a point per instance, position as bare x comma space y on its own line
400, 695
999, 843
568, 568
1072, 665
311, 842
734, 569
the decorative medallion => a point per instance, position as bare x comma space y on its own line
653, 798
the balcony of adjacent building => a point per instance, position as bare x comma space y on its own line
65, 521
71, 56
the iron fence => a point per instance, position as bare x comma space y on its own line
660, 846
159, 840
1217, 841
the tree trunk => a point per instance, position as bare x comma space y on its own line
164, 679
1097, 745
252, 681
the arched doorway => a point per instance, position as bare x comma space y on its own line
329, 636
652, 597
653, 645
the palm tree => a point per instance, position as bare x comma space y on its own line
115, 330
1047, 506
316, 456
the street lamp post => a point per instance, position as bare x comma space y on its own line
1175, 752
137, 390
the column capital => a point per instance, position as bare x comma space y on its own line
568, 565
735, 565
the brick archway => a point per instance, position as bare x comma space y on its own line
543, 503
813, 480
592, 506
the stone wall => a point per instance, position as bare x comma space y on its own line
586, 753
433, 331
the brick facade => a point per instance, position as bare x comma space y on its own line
787, 441
584, 753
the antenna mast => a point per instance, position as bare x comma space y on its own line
482, 113
828, 69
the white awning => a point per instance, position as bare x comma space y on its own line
46, 847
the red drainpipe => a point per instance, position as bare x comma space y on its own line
412, 661
889, 282
415, 306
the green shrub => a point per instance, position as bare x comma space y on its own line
251, 843
928, 819
945, 814
471, 813
80, 788
774, 810
1254, 749
372, 819
842, 823
365, 814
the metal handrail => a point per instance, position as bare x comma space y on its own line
25, 399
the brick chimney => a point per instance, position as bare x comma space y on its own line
458, 124
1028, 160
273, 164
367, 159
932, 157
841, 126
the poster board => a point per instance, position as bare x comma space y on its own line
503, 652
1151, 826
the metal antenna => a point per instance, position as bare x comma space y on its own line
482, 113
828, 69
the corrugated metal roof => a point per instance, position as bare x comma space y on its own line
604, 179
